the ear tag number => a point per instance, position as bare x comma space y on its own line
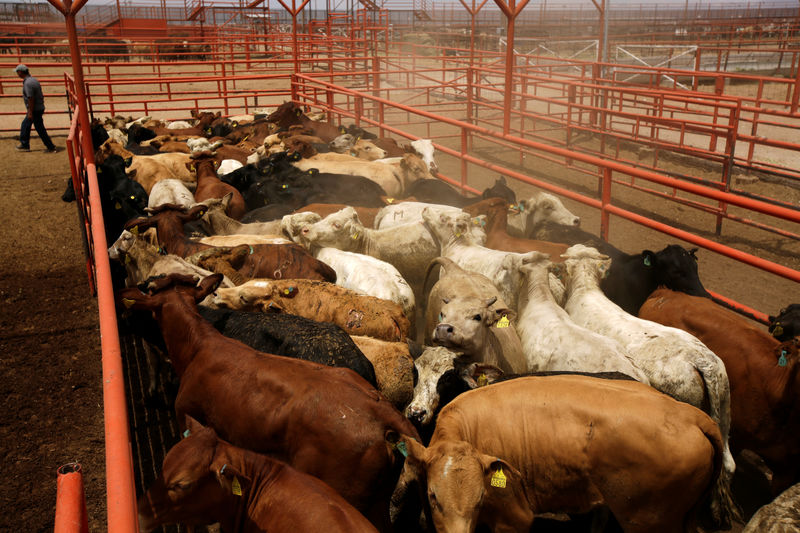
503, 322
782, 360
236, 488
499, 479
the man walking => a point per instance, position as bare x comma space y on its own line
34, 105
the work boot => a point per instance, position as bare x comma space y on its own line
22, 148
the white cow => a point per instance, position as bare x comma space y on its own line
539, 208
551, 340
370, 276
170, 191
409, 248
404, 212
676, 362
452, 233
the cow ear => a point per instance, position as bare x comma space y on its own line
414, 452
502, 318
271, 307
505, 494
131, 172
648, 258
501, 180
479, 374
208, 285
133, 298
191, 426
232, 480
227, 199
128, 161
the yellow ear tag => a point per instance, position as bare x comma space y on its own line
777, 331
134, 230
458, 235
127, 259
355, 236
117, 206
499, 479
236, 488
483, 380
128, 303
503, 322
389, 200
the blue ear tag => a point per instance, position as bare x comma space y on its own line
782, 360
401, 447
186, 433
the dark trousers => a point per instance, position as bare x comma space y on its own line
38, 123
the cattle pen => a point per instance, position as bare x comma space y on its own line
682, 133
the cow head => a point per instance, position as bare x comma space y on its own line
155, 292
676, 268
545, 207
415, 167
585, 262
464, 323
260, 295
296, 226
342, 230
786, 325
364, 149
447, 228
424, 148
196, 485
342, 143
440, 376
464, 486
500, 189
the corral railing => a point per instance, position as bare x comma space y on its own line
456, 139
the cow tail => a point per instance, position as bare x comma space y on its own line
443, 262
724, 509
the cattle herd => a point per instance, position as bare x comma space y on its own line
360, 347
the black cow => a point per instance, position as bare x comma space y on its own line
138, 133
632, 278
122, 198
786, 325
500, 189
292, 336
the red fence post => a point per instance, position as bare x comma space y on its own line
605, 200
70, 501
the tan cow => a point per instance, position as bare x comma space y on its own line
357, 314
504, 453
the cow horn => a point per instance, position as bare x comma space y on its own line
491, 301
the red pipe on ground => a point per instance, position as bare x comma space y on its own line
70, 501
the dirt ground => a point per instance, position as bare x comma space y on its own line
49, 346
51, 394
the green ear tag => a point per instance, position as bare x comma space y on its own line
777, 331
782, 360
236, 488
499, 479
647, 261
503, 322
186, 433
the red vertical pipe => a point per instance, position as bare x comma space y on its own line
70, 501
509, 81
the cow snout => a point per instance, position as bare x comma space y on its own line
443, 332
416, 414
305, 231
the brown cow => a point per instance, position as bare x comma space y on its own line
289, 114
355, 313
205, 480
503, 453
327, 422
763, 373
496, 228
210, 186
265, 260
